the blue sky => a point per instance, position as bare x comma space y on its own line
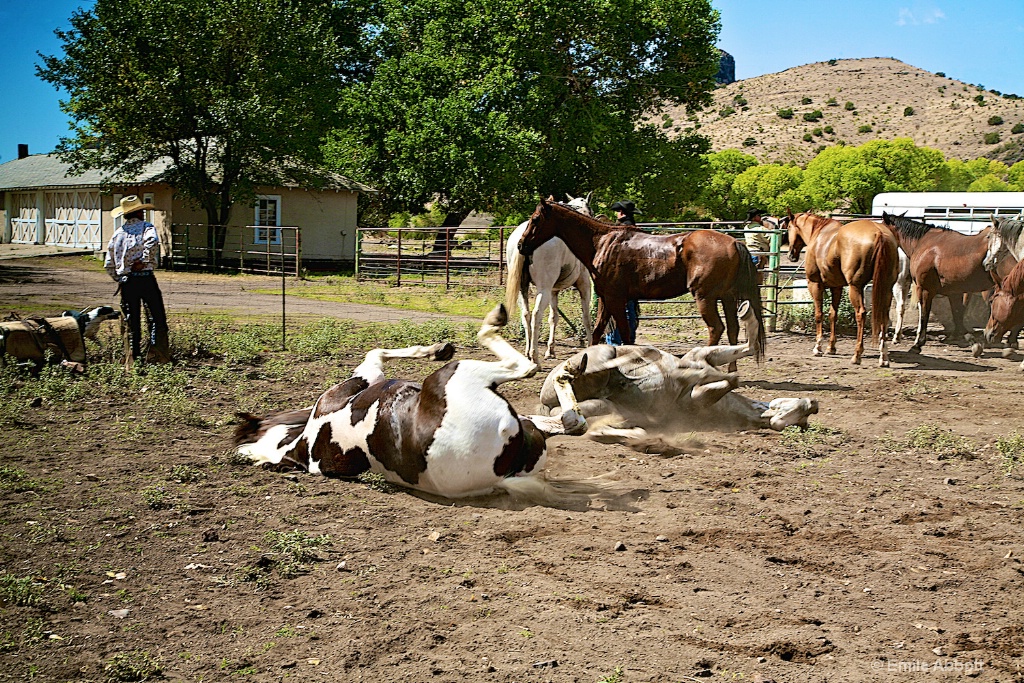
979, 42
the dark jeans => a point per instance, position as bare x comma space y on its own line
614, 337
138, 290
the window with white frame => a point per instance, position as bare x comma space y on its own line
268, 213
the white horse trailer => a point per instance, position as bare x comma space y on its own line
966, 212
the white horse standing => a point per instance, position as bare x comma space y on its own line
552, 268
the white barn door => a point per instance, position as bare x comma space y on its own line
23, 217
73, 219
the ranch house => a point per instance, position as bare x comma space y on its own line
42, 204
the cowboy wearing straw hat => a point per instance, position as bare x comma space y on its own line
132, 256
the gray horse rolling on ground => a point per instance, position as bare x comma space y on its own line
630, 393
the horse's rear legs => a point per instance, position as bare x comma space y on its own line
372, 367
489, 337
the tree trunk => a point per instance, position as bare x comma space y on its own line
444, 240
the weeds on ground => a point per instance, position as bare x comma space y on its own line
1011, 449
16, 480
814, 441
186, 474
294, 550
376, 482
943, 443
24, 591
134, 665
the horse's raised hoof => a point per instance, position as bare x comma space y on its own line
574, 423
744, 310
498, 316
976, 349
443, 351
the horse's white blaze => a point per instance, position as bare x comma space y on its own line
265, 450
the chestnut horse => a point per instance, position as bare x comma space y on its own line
1007, 306
627, 263
942, 261
851, 254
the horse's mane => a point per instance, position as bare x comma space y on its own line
1013, 283
1010, 229
597, 225
908, 227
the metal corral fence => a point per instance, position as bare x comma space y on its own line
261, 250
417, 256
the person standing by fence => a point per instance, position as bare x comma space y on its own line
758, 243
132, 257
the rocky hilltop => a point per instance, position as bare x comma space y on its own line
854, 101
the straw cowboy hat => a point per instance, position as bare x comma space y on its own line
129, 204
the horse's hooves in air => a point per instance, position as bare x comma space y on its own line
743, 310
976, 349
497, 317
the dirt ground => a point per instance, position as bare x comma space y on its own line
844, 554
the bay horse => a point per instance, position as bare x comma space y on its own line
1005, 243
627, 263
453, 435
551, 269
841, 254
942, 261
1007, 303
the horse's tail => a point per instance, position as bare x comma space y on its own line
516, 284
746, 287
884, 277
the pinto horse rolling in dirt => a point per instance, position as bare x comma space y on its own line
627, 263
942, 261
453, 435
851, 254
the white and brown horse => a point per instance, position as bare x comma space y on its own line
551, 268
453, 435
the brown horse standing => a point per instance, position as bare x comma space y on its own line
627, 263
942, 261
847, 254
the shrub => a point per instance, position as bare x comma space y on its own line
740, 100
726, 111
849, 106
864, 129
831, 102
807, 137
805, 100
992, 138
995, 120
980, 99
813, 115
1018, 128
940, 73
832, 62
909, 111
817, 132
749, 142
829, 129
785, 113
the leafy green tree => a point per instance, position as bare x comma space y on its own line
773, 187
850, 177
989, 183
235, 93
1015, 176
486, 104
717, 199
958, 176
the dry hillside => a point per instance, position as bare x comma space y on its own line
946, 115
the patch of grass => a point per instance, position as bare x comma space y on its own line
155, 498
816, 440
943, 443
16, 480
376, 482
19, 591
186, 474
614, 677
294, 549
1011, 449
134, 665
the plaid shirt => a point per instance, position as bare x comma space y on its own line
135, 241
